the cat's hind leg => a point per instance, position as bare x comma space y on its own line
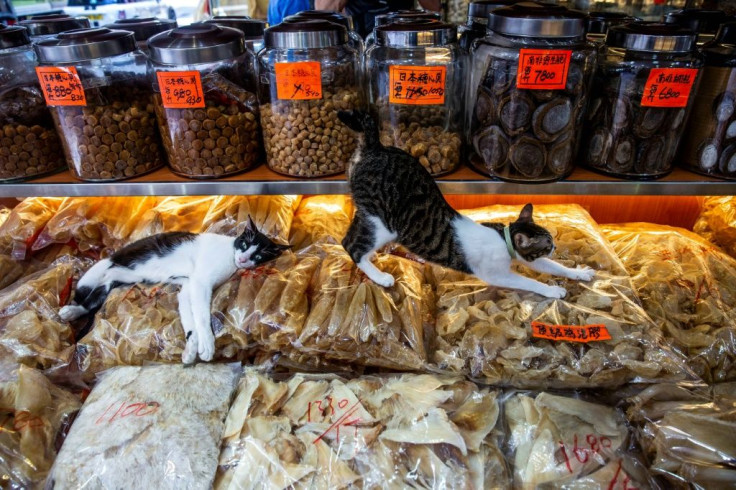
187, 322
366, 235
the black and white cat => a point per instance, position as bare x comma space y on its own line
397, 200
197, 262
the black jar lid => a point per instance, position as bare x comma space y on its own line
383, 19
143, 28
424, 32
47, 25
85, 44
344, 20
13, 36
302, 34
196, 43
721, 51
600, 22
652, 37
699, 20
478, 10
531, 19
251, 28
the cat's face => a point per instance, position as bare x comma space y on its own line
531, 241
253, 248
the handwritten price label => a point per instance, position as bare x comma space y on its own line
181, 89
668, 87
417, 85
20, 421
543, 69
301, 80
122, 410
344, 418
61, 85
570, 333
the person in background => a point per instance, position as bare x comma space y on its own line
364, 12
278, 9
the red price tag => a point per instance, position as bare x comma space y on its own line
417, 85
301, 80
181, 89
543, 69
570, 333
61, 85
668, 87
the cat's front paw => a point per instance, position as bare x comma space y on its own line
71, 312
190, 351
583, 273
555, 292
384, 279
206, 347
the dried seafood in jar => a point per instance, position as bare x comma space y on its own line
688, 287
717, 222
418, 431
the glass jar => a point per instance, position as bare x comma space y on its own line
102, 107
252, 29
308, 72
704, 22
403, 15
205, 98
477, 24
44, 26
354, 39
710, 145
599, 22
417, 80
143, 28
640, 100
529, 88
29, 145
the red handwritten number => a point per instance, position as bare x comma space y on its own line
582, 454
342, 403
140, 409
577, 451
564, 453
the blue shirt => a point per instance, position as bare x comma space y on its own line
278, 9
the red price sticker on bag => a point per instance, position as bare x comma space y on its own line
417, 85
570, 333
61, 85
668, 87
543, 69
300, 80
181, 89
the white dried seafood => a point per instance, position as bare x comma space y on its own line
24, 223
271, 214
717, 222
486, 332
148, 427
322, 432
321, 219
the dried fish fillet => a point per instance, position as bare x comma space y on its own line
321, 218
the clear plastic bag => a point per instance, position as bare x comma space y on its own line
4, 213
688, 287
486, 332
321, 219
20, 230
174, 213
717, 222
272, 215
33, 417
148, 427
408, 431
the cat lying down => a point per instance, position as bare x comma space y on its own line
197, 262
397, 200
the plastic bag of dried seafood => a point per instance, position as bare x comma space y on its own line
25, 222
688, 287
564, 442
4, 213
408, 431
717, 222
687, 434
272, 215
94, 224
502, 336
186, 213
157, 426
33, 417
321, 218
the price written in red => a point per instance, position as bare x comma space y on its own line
122, 410
344, 416
543, 69
61, 86
181, 89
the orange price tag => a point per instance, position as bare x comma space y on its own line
299, 80
543, 69
61, 85
180, 89
668, 87
417, 85
570, 333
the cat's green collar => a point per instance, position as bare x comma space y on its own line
509, 246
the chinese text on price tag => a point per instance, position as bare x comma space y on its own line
543, 69
570, 333
417, 85
61, 85
300, 80
181, 89
668, 87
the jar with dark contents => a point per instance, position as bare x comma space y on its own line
529, 87
477, 23
399, 15
252, 29
308, 72
205, 98
96, 85
703, 22
354, 39
417, 80
642, 93
44, 26
29, 145
143, 28
598, 24
709, 146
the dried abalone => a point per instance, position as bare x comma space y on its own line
552, 118
515, 113
649, 121
560, 156
492, 146
528, 156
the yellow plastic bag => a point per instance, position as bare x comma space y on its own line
717, 222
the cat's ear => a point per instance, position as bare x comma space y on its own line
522, 241
352, 119
526, 214
249, 233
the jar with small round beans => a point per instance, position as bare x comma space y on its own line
206, 101
416, 71
143, 28
96, 84
308, 72
44, 26
29, 145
